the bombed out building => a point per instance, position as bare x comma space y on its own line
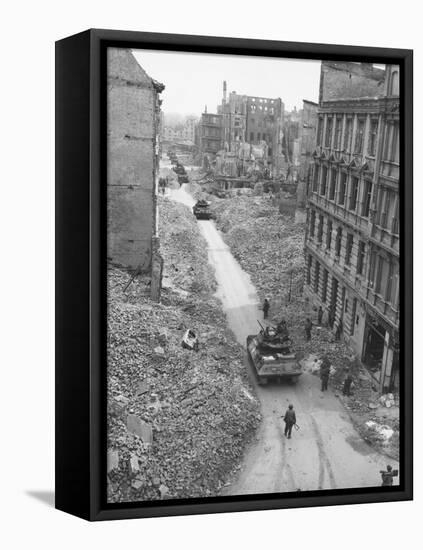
352, 231
133, 129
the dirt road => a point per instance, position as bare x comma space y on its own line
326, 452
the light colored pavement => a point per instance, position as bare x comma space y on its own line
326, 452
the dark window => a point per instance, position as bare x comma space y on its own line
342, 188
373, 137
348, 134
316, 277
258, 136
359, 136
328, 136
353, 316
367, 198
360, 257
338, 241
319, 131
324, 181
309, 266
316, 178
320, 229
329, 234
312, 222
270, 152
251, 136
338, 134
354, 194
332, 186
348, 248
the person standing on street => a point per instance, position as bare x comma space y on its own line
388, 476
266, 307
346, 390
319, 315
324, 373
308, 326
290, 420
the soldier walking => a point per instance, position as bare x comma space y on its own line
290, 420
324, 373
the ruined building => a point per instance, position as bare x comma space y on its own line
244, 128
133, 149
352, 235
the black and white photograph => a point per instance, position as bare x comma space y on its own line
253, 275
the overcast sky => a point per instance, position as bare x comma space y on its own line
195, 80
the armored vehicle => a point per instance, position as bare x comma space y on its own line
271, 354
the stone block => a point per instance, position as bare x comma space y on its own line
138, 427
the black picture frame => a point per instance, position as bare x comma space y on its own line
80, 272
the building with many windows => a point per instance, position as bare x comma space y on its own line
352, 235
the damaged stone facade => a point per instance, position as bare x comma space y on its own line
352, 234
133, 151
247, 130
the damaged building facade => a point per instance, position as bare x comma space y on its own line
245, 134
352, 231
133, 128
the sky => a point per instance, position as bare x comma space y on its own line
193, 80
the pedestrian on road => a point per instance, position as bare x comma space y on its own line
266, 307
346, 390
290, 419
324, 373
388, 476
308, 326
319, 315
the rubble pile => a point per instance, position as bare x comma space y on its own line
178, 420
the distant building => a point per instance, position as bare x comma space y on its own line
134, 124
352, 236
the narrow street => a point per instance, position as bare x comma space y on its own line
326, 452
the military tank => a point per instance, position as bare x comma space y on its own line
201, 210
271, 354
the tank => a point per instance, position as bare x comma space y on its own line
272, 356
201, 210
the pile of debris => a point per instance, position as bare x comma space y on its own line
178, 420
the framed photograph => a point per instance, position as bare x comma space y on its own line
234, 274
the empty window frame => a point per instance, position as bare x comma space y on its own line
309, 267
338, 132
348, 134
332, 185
338, 241
365, 210
320, 228
342, 188
329, 228
354, 194
316, 178
312, 222
325, 285
323, 183
348, 248
373, 137
359, 136
361, 257
328, 134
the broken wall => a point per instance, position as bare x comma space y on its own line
350, 80
131, 143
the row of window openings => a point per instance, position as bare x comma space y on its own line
359, 136
324, 293
342, 189
391, 144
338, 241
